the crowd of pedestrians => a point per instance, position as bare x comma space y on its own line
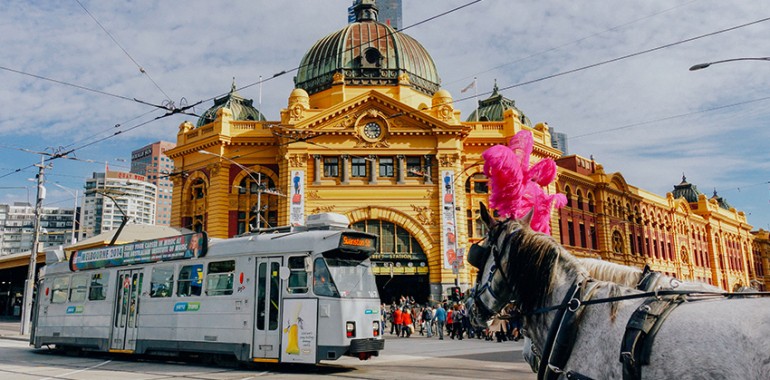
405, 317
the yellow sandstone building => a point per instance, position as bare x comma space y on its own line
369, 133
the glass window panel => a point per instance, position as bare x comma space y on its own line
298, 275
162, 282
413, 167
358, 167
386, 167
79, 288
60, 288
190, 281
219, 279
388, 237
402, 240
98, 289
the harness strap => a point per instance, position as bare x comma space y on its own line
657, 293
641, 329
552, 331
564, 341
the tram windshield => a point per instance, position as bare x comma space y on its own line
347, 278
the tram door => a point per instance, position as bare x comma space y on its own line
267, 332
124, 326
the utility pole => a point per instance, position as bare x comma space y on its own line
29, 284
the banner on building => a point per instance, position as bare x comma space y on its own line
297, 214
449, 220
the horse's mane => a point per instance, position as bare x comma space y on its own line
630, 277
611, 272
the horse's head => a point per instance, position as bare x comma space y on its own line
493, 289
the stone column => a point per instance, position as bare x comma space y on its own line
317, 169
345, 169
400, 169
372, 169
428, 172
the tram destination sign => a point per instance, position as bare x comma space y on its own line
141, 252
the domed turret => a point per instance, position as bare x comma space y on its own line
242, 108
686, 190
492, 108
367, 53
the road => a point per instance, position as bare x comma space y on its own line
403, 358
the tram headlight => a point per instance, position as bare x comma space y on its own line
350, 329
376, 328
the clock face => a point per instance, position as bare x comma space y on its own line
372, 130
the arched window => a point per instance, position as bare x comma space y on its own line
579, 199
591, 207
254, 199
568, 194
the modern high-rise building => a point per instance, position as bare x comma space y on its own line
389, 12
151, 162
112, 196
559, 141
17, 227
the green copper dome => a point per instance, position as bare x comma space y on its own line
686, 190
721, 201
242, 108
492, 109
367, 53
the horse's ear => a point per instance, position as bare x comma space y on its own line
527, 219
485, 216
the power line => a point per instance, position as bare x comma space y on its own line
67, 83
573, 42
572, 71
669, 118
141, 69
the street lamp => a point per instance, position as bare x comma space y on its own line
74, 211
707, 64
257, 180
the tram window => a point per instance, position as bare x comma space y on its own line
78, 288
298, 275
219, 280
98, 289
322, 280
60, 288
190, 280
162, 282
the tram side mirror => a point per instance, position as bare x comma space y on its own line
284, 273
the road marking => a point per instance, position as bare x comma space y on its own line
78, 371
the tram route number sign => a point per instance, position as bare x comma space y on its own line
140, 252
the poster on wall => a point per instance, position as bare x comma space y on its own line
298, 333
297, 213
448, 220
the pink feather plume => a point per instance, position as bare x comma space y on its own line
515, 187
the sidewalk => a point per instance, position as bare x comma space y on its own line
10, 329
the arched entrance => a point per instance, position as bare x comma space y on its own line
400, 264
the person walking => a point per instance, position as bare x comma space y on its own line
439, 314
398, 320
427, 319
406, 319
450, 321
457, 321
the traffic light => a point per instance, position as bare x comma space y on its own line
456, 294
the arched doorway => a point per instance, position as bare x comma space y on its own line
400, 264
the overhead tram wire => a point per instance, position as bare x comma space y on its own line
141, 69
669, 118
601, 63
558, 47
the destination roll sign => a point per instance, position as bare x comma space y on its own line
141, 252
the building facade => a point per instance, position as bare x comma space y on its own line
114, 196
367, 132
151, 162
17, 227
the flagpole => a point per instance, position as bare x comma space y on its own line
260, 94
476, 98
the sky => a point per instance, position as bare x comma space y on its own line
82, 77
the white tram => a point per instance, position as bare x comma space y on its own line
299, 294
